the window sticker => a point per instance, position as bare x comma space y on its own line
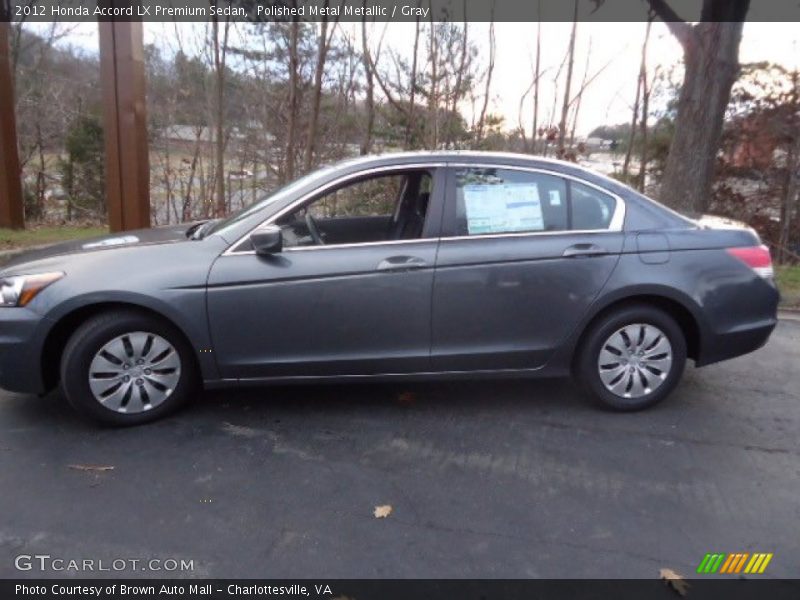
502, 208
555, 197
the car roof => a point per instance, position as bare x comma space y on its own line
453, 155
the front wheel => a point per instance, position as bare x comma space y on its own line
632, 358
126, 368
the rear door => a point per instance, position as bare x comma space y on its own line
523, 254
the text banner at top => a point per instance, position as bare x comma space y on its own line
370, 10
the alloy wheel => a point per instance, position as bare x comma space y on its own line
635, 360
134, 372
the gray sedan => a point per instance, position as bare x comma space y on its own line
417, 265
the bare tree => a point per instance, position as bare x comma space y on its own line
220, 55
562, 127
711, 60
791, 191
369, 75
536, 77
637, 101
579, 96
489, 71
412, 89
294, 84
324, 45
645, 86
433, 96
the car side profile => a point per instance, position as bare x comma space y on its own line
414, 265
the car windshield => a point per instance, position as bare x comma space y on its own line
279, 194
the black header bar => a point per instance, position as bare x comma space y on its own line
372, 10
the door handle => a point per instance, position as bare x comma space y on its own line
579, 250
401, 263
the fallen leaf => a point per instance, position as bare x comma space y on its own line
406, 397
674, 580
91, 467
381, 512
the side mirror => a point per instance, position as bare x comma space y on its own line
267, 239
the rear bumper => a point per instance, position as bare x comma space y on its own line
20, 350
735, 343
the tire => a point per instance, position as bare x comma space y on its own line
98, 363
640, 368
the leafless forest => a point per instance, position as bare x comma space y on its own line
236, 109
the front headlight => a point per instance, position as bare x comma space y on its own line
21, 289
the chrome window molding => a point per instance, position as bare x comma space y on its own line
614, 226
357, 245
517, 234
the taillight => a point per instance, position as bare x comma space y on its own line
755, 257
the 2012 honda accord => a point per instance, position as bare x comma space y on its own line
414, 265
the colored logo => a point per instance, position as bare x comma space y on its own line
742, 562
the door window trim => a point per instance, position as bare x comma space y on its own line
339, 181
615, 225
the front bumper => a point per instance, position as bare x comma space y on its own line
21, 350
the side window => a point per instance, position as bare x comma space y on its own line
591, 208
380, 208
490, 200
374, 197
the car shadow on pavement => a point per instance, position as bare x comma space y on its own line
368, 399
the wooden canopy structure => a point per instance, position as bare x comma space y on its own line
127, 171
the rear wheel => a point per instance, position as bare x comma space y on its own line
126, 368
632, 358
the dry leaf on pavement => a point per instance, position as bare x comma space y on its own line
674, 580
381, 512
91, 467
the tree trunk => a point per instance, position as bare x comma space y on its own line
219, 144
645, 93
366, 144
412, 91
537, 71
711, 61
293, 91
579, 96
40, 174
433, 98
312, 126
791, 192
489, 71
562, 126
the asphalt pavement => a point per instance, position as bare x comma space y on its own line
491, 479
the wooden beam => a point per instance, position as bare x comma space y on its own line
11, 211
125, 125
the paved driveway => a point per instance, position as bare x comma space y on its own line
489, 479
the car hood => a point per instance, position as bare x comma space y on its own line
107, 243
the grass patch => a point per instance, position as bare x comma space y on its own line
11, 239
788, 279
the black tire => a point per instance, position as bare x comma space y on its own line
586, 364
89, 339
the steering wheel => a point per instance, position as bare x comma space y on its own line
313, 229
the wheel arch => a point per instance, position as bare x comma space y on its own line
65, 325
680, 309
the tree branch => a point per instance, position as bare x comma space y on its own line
677, 26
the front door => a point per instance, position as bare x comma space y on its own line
350, 294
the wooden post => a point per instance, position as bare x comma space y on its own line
11, 212
125, 125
